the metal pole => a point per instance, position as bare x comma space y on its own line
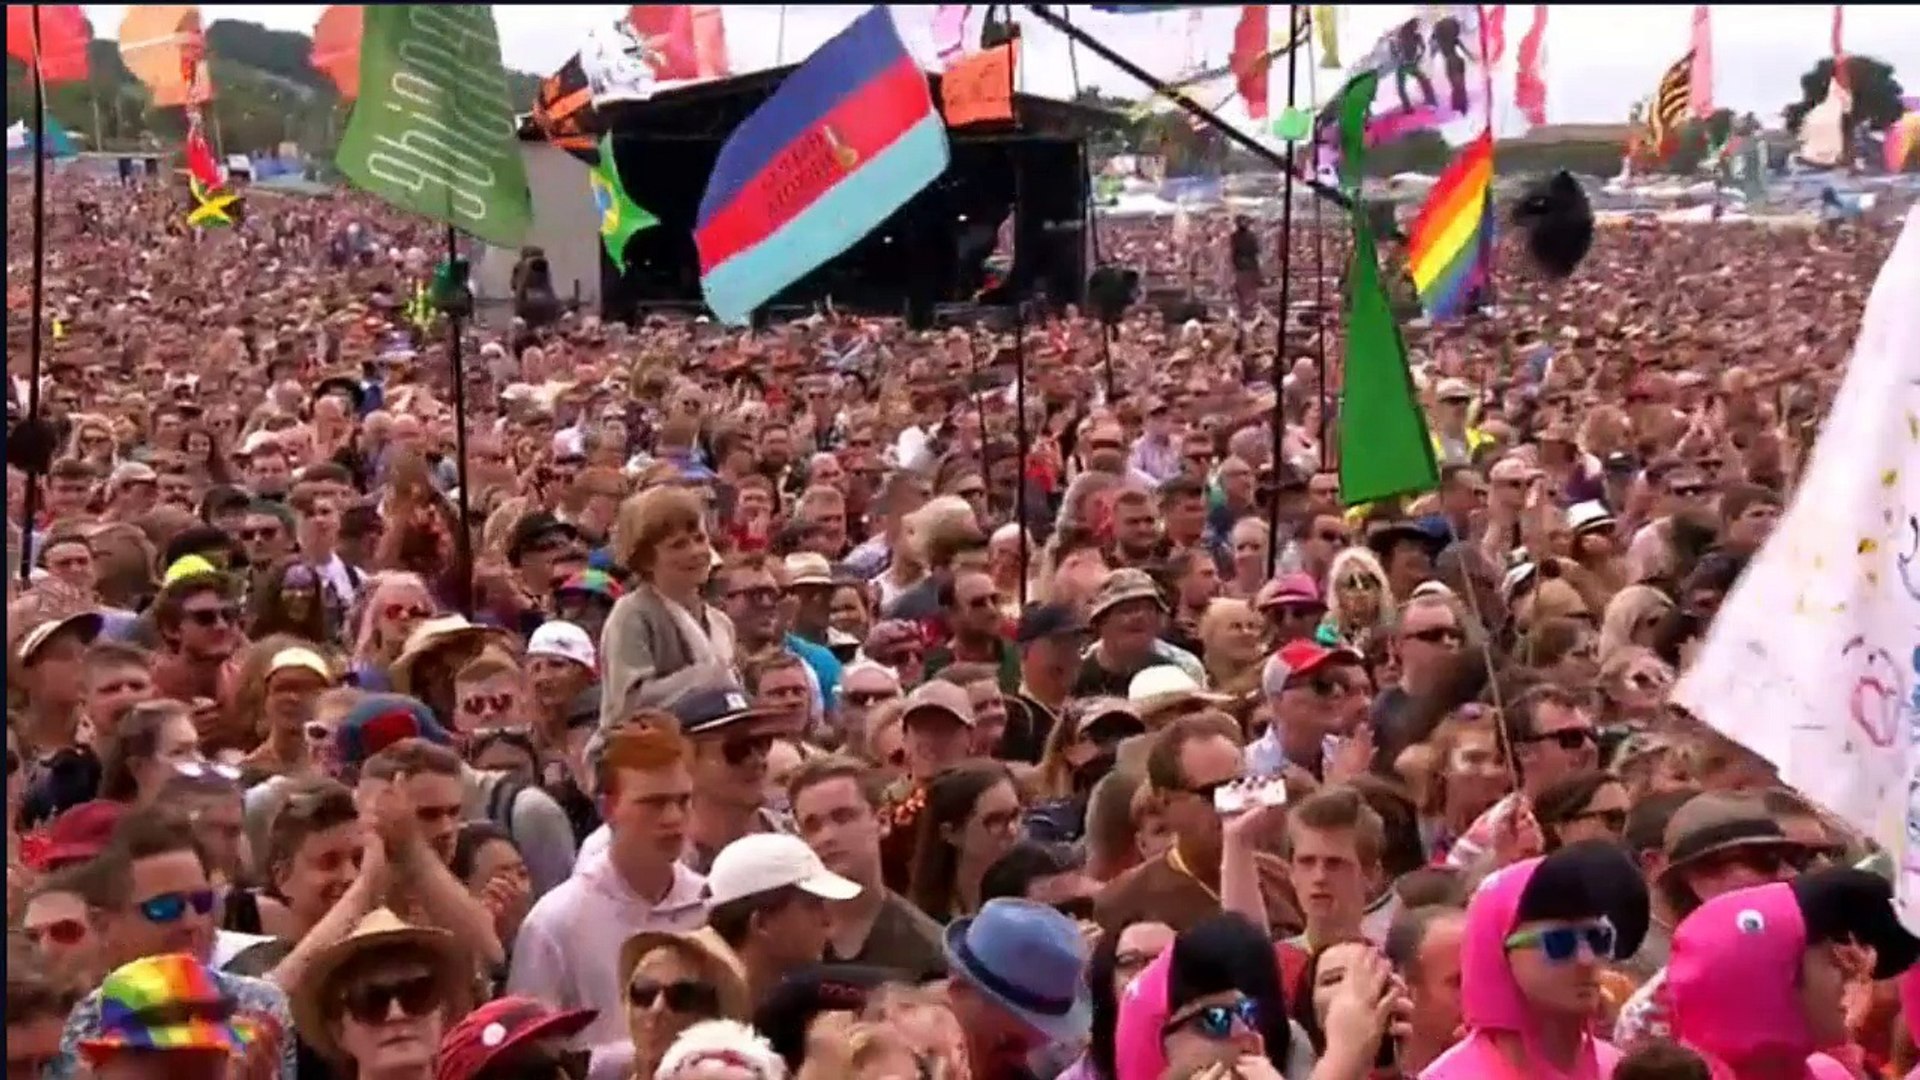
1278, 422
463, 543
1020, 433
1320, 284
35, 476
1159, 86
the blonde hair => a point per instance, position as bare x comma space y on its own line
1346, 562
1624, 614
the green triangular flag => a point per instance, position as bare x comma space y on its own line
620, 216
1385, 449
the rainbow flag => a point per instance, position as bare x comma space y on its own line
1450, 240
850, 135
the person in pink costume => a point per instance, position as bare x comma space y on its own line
1537, 935
1757, 974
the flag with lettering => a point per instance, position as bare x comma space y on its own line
433, 131
847, 139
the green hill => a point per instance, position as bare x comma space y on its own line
265, 93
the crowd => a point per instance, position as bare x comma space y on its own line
767, 739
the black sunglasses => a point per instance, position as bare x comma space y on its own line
738, 750
865, 698
685, 996
211, 616
1438, 635
1565, 738
1614, 820
371, 1003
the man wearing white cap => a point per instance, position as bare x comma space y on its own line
768, 894
564, 670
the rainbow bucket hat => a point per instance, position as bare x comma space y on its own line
166, 1003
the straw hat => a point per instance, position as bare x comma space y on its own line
429, 636
380, 931
717, 961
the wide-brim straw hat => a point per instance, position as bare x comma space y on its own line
717, 961
430, 636
381, 931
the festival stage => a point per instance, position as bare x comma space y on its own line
930, 253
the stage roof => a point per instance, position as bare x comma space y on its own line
712, 109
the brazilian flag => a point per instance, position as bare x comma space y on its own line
620, 216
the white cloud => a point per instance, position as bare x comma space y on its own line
1600, 58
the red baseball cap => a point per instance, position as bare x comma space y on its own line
1303, 656
80, 833
500, 1027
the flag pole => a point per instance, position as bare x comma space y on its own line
1321, 322
780, 39
463, 543
1278, 423
36, 470
1020, 433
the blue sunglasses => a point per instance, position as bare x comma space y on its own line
171, 907
1216, 1021
1560, 944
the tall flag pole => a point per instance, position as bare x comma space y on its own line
38, 466
1277, 423
433, 134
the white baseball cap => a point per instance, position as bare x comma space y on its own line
563, 639
763, 862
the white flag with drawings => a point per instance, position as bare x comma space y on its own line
1814, 660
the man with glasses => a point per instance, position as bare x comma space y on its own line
156, 898
973, 605
1427, 640
1306, 685
1550, 735
265, 533
198, 623
1187, 762
1714, 844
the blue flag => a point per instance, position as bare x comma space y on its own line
846, 140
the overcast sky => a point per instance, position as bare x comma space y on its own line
1600, 58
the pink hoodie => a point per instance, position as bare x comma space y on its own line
1491, 1001
1732, 983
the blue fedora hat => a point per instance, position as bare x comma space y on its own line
1030, 960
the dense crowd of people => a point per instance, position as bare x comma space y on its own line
792, 723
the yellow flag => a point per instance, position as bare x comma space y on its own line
1325, 18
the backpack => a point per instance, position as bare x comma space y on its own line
506, 790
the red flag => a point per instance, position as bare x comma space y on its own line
689, 41
1529, 81
1250, 59
1700, 79
1839, 51
1496, 24
63, 53
336, 47
201, 164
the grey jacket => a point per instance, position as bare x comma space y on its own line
644, 658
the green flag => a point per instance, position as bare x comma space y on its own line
433, 129
1385, 449
620, 216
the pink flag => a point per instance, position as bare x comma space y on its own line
1496, 33
1529, 81
950, 30
1700, 81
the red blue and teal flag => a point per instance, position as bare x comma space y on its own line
1449, 244
846, 140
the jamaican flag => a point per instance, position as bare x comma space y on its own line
213, 207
